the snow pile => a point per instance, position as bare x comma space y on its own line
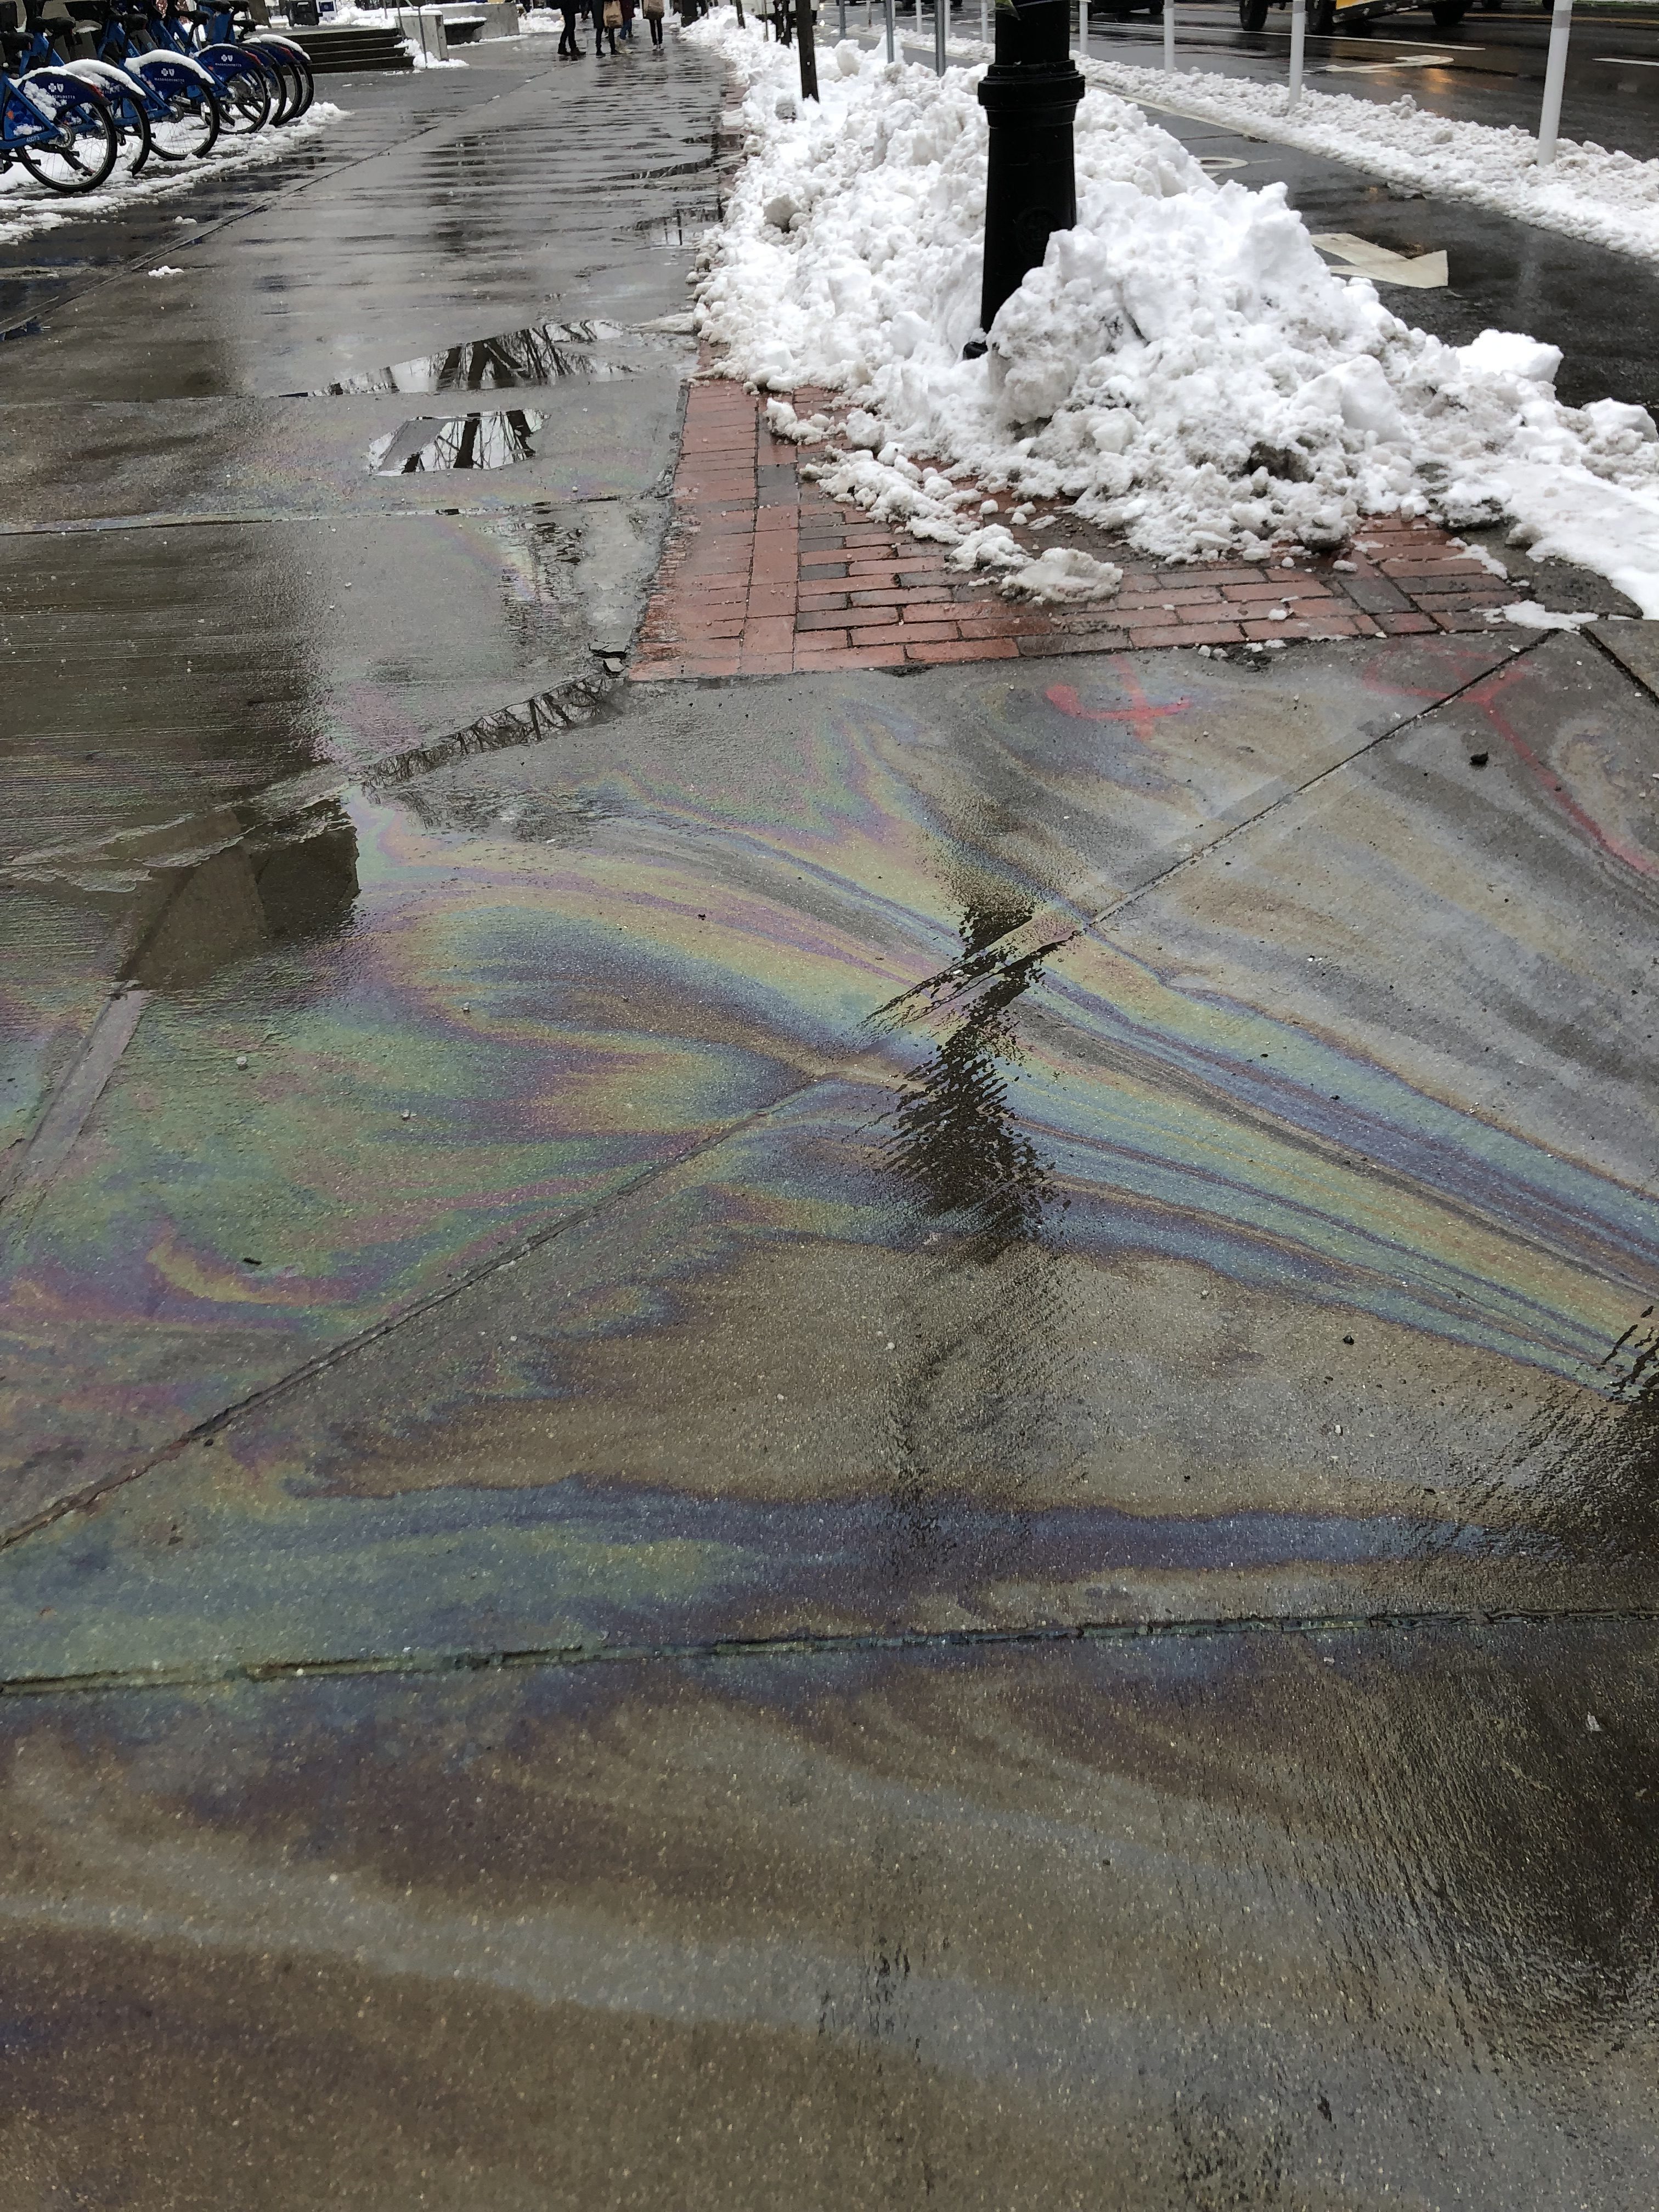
26, 208
1610, 199
1184, 368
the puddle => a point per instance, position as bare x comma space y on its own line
292, 881
584, 699
678, 169
431, 443
958, 1145
681, 225
541, 352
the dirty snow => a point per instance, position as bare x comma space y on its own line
26, 208
1184, 368
1529, 614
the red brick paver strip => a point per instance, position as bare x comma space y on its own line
766, 575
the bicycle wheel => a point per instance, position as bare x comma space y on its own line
132, 127
125, 106
244, 92
300, 86
291, 58
71, 144
300, 62
184, 119
284, 88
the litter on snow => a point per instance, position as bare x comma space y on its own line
1183, 369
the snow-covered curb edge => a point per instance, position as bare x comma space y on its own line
27, 215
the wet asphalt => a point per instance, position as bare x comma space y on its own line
824, 1442
1489, 68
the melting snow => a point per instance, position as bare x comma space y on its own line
1183, 368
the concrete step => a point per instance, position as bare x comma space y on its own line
354, 48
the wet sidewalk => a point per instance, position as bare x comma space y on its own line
780, 1432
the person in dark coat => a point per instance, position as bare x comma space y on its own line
602, 31
567, 36
628, 19
653, 12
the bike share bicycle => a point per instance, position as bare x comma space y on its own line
259, 76
171, 77
161, 102
53, 123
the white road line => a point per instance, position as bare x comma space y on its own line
1424, 272
1382, 69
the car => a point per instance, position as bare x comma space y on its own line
1325, 16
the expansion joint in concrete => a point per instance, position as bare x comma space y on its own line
943, 1643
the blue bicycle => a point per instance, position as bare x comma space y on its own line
246, 25
58, 127
252, 88
40, 45
109, 42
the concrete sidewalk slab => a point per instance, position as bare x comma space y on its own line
251, 458
1251, 1920
1016, 1266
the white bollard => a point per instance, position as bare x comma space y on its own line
1168, 35
1298, 46
1083, 29
941, 24
985, 22
1555, 76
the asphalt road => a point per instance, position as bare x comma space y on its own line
1488, 69
821, 1443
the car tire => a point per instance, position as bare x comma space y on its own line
1252, 15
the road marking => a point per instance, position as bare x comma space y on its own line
1382, 69
1213, 164
1423, 272
1624, 61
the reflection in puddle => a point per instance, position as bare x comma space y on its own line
285, 885
541, 354
460, 441
983, 1383
681, 225
959, 1146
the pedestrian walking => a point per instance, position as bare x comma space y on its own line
606, 16
628, 19
567, 45
651, 11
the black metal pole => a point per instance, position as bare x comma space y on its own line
809, 53
1029, 95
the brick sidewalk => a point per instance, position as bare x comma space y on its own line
765, 575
